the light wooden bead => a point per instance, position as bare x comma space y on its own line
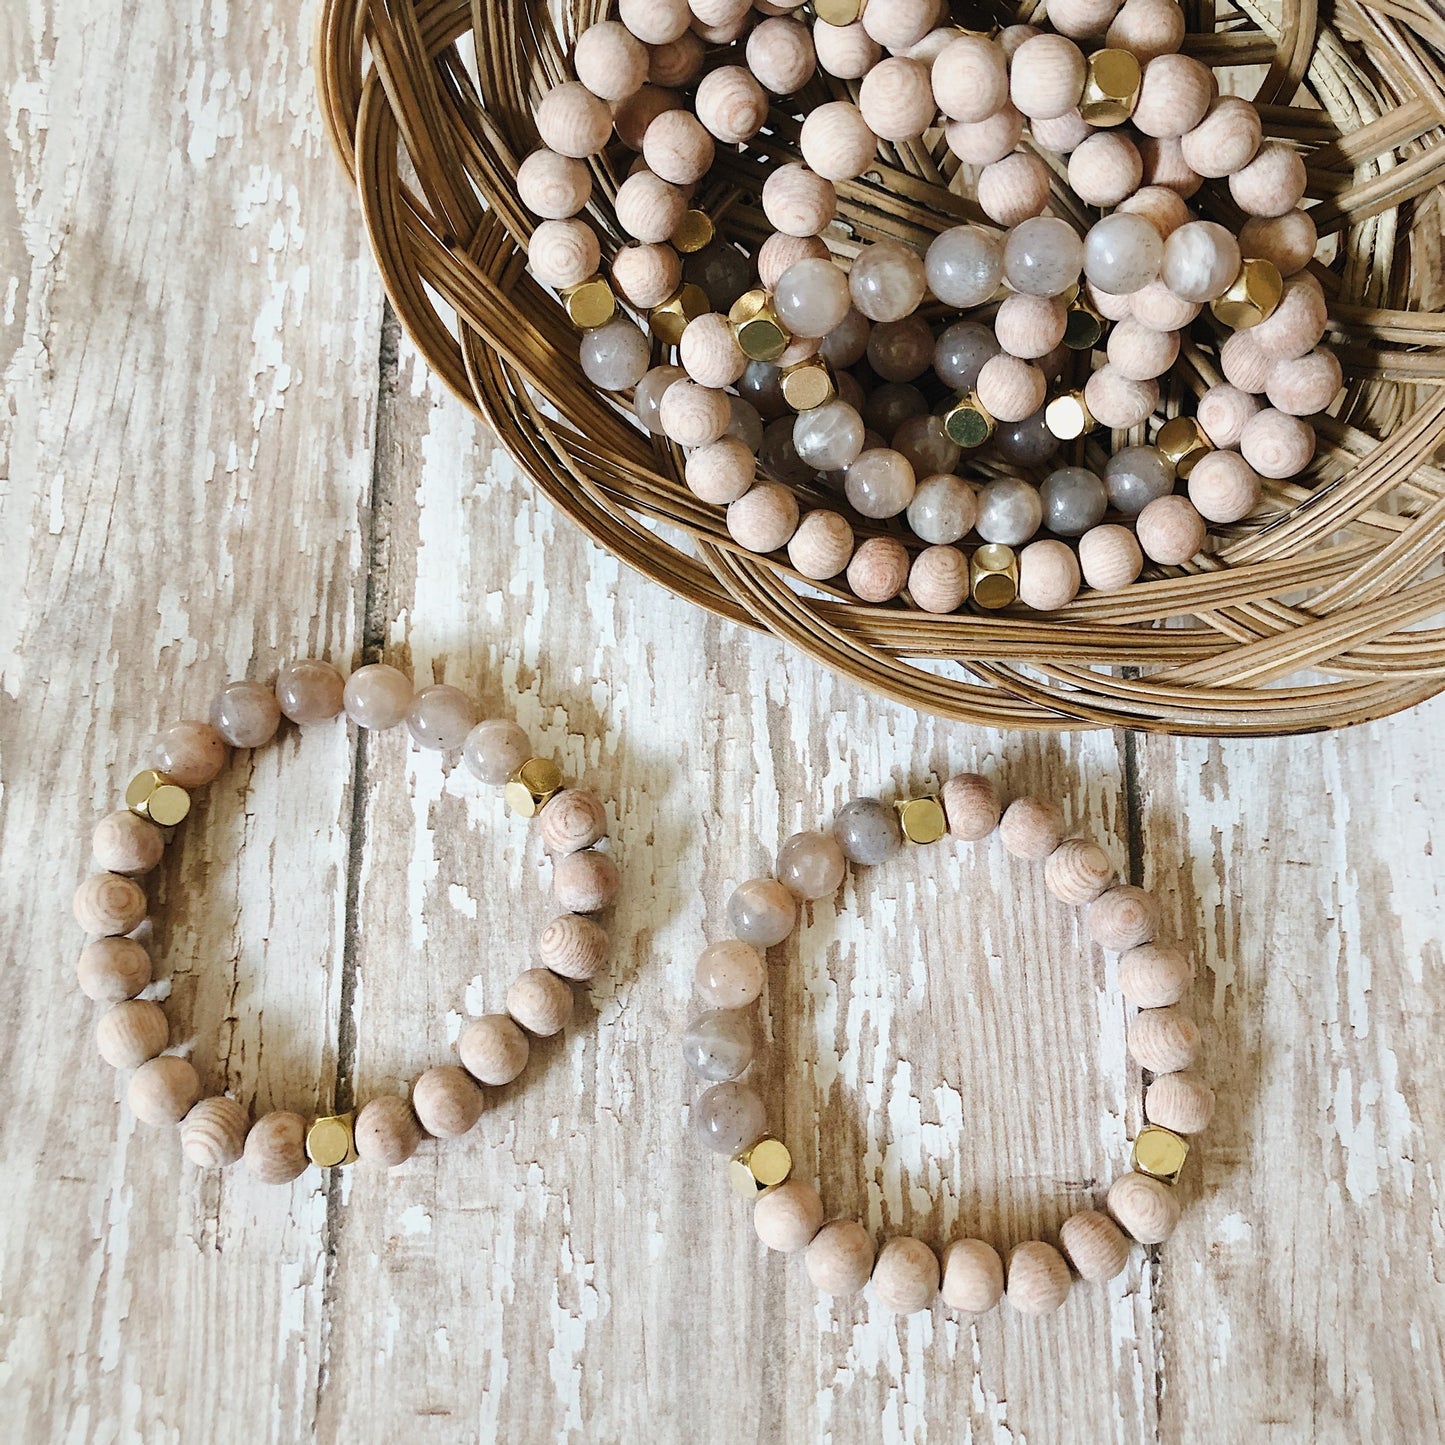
586, 881
1154, 975
1080, 19
693, 415
779, 252
1013, 189
573, 946
1147, 28
109, 904
840, 1258
787, 1218
1038, 1278
213, 1134
112, 969
972, 1276
847, 51
1164, 165
275, 1150
649, 208
1095, 1245
540, 1001
1182, 1102
493, 1049
609, 60
780, 55
1170, 530
1110, 557
1107, 304
981, 142
446, 1101
1061, 133
731, 104
553, 186
1141, 353
655, 22
798, 202
1105, 169
631, 118
897, 24
821, 546
1244, 364
646, 275
710, 352
1296, 324
896, 99
837, 142
905, 1276
1046, 76
1306, 384
1116, 401
970, 79
1156, 308
719, 12
124, 842
1147, 1208
1223, 487
1077, 871
564, 253
1030, 326
1031, 828
1277, 445
132, 1032
971, 805
679, 62
718, 36
1123, 917
1164, 209
1226, 140
677, 147
938, 579
1272, 184
1288, 240
763, 519
387, 1131
720, 472
572, 121
161, 1091
1174, 96
1011, 37
1163, 1040
1048, 575
1222, 413
1010, 389
572, 819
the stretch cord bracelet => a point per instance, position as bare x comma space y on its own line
788, 1213
165, 1088
983, 348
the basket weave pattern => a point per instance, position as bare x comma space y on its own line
1310, 614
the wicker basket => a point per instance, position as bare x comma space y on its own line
1306, 616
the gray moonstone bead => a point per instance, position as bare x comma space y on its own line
1137, 476
647, 398
1043, 256
1122, 253
891, 404
1009, 511
1027, 442
615, 356
942, 511
721, 270
746, 425
829, 436
965, 266
868, 831
762, 912
761, 384
811, 297
728, 1117
718, 1044
927, 445
960, 352
1074, 500
778, 457
847, 343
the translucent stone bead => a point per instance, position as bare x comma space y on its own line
746, 425
647, 398
722, 271
1074, 499
495, 749
960, 352
718, 1045
440, 718
829, 437
901, 350
615, 356
761, 386
1201, 261
1122, 253
868, 831
1135, 476
943, 510
891, 405
924, 442
189, 753
1043, 256
811, 297
811, 865
887, 281
729, 975
728, 1117
246, 714
1027, 442
778, 456
847, 343
964, 266
880, 483
377, 696
762, 912
1009, 511
310, 691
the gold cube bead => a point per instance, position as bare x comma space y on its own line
1083, 326
1111, 87
838, 12
533, 786
332, 1141
808, 384
761, 336
693, 232
1253, 296
967, 421
1068, 417
1183, 442
922, 819
993, 576
589, 304
669, 320
766, 1165
1160, 1152
152, 795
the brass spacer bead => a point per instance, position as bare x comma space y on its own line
1183, 441
1252, 297
1160, 1152
762, 1167
1068, 416
693, 232
808, 384
967, 421
922, 819
993, 576
669, 319
151, 794
590, 303
759, 333
331, 1141
1083, 326
1111, 87
533, 786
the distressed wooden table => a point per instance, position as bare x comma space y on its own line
219, 454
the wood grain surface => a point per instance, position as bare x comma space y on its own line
219, 453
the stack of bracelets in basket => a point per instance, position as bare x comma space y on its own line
871, 369
447, 1100
788, 1214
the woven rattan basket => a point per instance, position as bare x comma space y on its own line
1311, 614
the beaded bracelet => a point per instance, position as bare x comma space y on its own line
763, 345
165, 1088
788, 1213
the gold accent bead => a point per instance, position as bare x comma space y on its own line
332, 1141
1111, 87
808, 383
590, 303
669, 320
993, 576
1068, 417
1160, 1152
533, 786
967, 421
922, 819
1083, 326
838, 12
693, 232
759, 333
1253, 296
1183, 441
152, 795
766, 1165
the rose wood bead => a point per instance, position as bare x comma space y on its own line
1223, 487
899, 24
162, 1090
845, 51
878, 571
1272, 184
1296, 324
731, 104
648, 208
840, 1257
609, 60
1038, 1278
677, 147
981, 142
1246, 366
1048, 575
1046, 76
574, 947
905, 1276
311, 691
1146, 1207
822, 545
1147, 28
124, 842
789, 1217
1095, 1245
493, 1049
1306, 384
387, 1131
1164, 165
552, 186
970, 79
1031, 828
586, 881
646, 275
694, 415
837, 142
1116, 401
246, 714
938, 579
720, 472
1077, 871
764, 518
1110, 557
1010, 389
780, 55
1079, 19
1154, 975
896, 99
631, 117
1174, 96
1181, 1101
1225, 141
563, 253
655, 22
1164, 209
109, 904
1061, 133
1223, 411
1030, 326
189, 753
1288, 240
1105, 169
540, 1001
572, 121
797, 202
572, 819
112, 969
973, 1278
275, 1151
971, 805
132, 1032
1277, 445
1123, 917
213, 1133
1141, 353
780, 252
1163, 1040
446, 1101
1170, 530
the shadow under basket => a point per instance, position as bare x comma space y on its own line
1310, 614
